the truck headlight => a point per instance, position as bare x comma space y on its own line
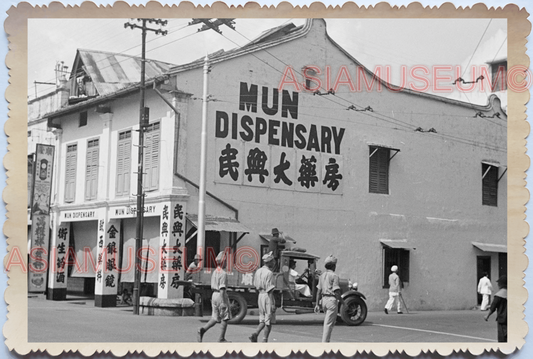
354, 286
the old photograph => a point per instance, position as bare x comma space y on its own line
270, 180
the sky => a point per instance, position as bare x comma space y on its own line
373, 42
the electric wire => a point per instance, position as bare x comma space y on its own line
375, 115
471, 142
383, 118
123, 52
479, 42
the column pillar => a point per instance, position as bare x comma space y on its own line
106, 283
57, 269
171, 269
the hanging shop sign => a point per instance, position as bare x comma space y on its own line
40, 215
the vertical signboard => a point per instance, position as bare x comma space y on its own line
172, 241
106, 283
40, 214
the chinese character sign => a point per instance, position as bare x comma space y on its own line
40, 214
42, 179
107, 260
276, 167
265, 142
172, 232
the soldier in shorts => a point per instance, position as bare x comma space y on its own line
329, 291
264, 282
219, 301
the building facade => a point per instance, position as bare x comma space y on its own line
301, 137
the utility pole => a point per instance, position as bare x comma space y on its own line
143, 123
208, 24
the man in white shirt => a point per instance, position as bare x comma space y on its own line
484, 288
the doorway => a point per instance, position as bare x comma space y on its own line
483, 266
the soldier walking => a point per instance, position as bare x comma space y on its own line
219, 301
264, 282
330, 293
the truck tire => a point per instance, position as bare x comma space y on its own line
353, 311
237, 307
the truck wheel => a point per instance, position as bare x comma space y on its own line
237, 307
353, 311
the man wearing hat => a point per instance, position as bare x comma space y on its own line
499, 305
219, 301
193, 267
329, 291
394, 291
275, 245
264, 282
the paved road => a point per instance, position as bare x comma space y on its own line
79, 321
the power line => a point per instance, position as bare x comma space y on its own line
466, 141
123, 52
384, 117
479, 42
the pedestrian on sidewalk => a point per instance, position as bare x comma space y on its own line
264, 282
499, 305
484, 288
329, 291
394, 291
219, 301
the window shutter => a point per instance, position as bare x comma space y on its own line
490, 185
379, 170
151, 157
147, 165
70, 173
91, 170
119, 186
122, 186
154, 183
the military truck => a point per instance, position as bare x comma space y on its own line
243, 295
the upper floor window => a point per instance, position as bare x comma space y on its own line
499, 76
83, 119
91, 169
379, 169
489, 174
152, 137
70, 172
123, 164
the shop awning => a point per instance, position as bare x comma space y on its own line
219, 224
397, 243
268, 237
487, 247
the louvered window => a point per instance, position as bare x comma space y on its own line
152, 138
489, 175
123, 163
379, 170
70, 172
91, 170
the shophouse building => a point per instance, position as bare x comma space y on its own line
301, 137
